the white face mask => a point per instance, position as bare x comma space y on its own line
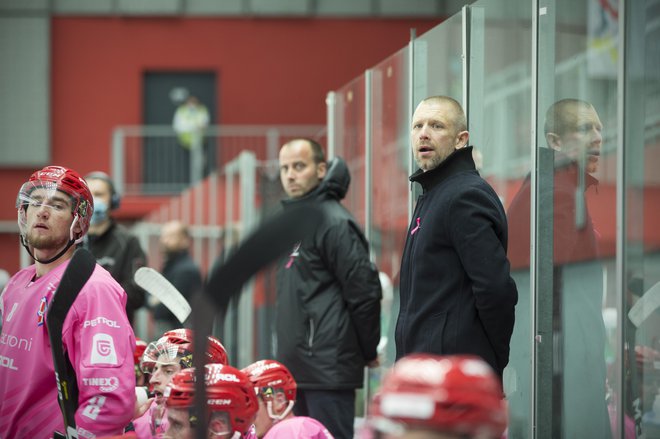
100, 212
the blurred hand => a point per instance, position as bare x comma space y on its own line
374, 363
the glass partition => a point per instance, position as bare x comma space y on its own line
438, 61
350, 143
640, 259
576, 139
500, 111
390, 87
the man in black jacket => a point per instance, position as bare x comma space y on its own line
113, 246
328, 304
179, 268
457, 295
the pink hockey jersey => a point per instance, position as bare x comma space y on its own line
99, 342
299, 427
153, 423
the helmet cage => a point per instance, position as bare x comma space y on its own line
165, 352
177, 345
55, 179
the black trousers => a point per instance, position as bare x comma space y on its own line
335, 409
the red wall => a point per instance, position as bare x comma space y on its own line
270, 71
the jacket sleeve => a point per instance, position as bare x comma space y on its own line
479, 234
133, 259
99, 342
188, 280
346, 253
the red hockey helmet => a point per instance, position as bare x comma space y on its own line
458, 394
227, 388
177, 345
58, 178
269, 376
140, 347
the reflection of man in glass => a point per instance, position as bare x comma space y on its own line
573, 133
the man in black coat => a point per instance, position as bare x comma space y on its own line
457, 296
328, 302
179, 268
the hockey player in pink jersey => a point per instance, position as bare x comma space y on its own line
231, 404
161, 360
276, 392
54, 209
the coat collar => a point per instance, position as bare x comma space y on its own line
458, 161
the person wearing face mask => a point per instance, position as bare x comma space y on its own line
113, 246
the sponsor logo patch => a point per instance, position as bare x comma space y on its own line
103, 350
7, 362
100, 321
41, 312
109, 384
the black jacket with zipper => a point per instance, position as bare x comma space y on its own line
328, 302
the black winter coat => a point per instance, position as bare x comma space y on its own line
119, 252
457, 296
328, 302
184, 274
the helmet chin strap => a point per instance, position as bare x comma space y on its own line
46, 261
277, 418
72, 241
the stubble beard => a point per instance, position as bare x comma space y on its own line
41, 242
431, 163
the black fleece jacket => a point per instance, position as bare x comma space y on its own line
457, 296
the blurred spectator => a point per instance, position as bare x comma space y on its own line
427, 396
190, 121
276, 392
114, 247
328, 294
179, 269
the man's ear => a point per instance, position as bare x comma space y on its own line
462, 139
321, 170
77, 230
554, 141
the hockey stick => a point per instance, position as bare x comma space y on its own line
158, 286
80, 268
645, 306
277, 235
638, 313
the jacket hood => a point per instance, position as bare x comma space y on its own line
336, 180
334, 185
